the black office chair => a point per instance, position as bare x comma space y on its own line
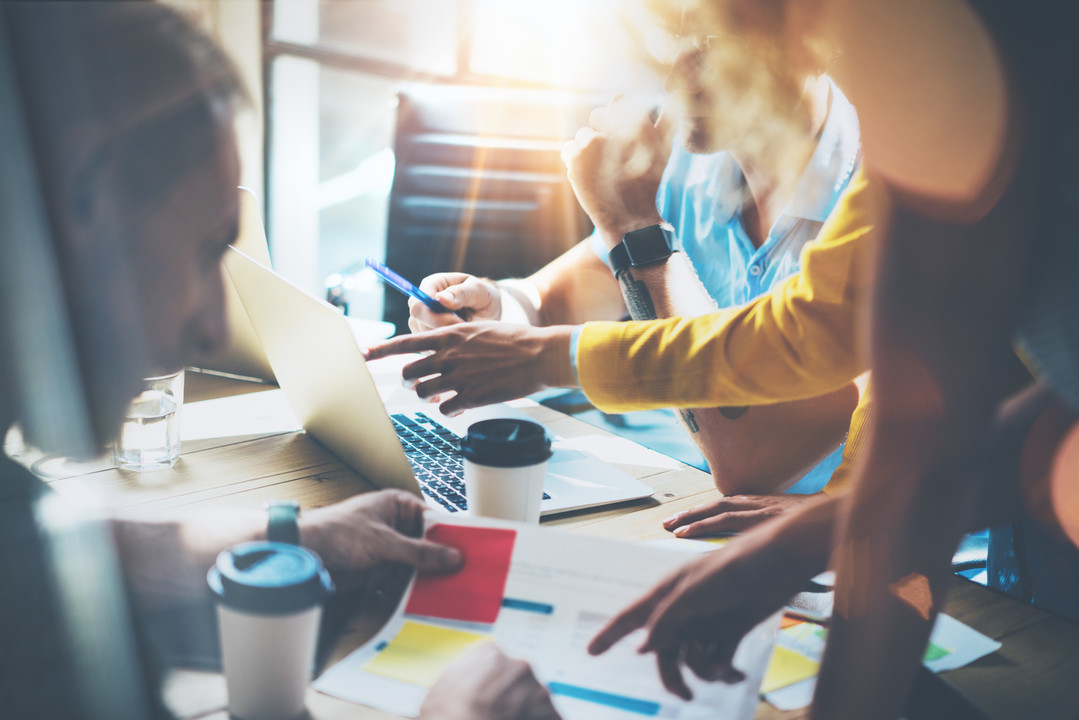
479, 184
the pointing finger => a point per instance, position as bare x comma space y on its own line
421, 342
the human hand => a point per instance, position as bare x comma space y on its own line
470, 297
371, 530
486, 685
700, 613
483, 363
615, 165
733, 514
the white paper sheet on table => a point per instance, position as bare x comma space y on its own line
265, 412
580, 582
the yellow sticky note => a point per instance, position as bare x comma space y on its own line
420, 653
786, 668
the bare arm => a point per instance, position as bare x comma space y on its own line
573, 288
577, 287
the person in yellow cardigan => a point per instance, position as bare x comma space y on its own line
738, 188
798, 341
972, 137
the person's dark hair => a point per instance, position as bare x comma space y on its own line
144, 74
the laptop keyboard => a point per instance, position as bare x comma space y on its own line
434, 452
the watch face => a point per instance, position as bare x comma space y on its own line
647, 245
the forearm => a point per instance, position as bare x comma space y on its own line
893, 552
668, 289
574, 288
802, 540
768, 448
166, 559
895, 539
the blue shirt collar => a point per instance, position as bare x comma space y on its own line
824, 179
832, 163
728, 189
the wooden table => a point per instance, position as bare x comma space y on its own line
1033, 676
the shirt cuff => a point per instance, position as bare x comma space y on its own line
574, 342
595, 241
513, 310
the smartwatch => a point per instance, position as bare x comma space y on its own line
647, 246
283, 525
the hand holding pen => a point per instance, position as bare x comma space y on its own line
450, 298
399, 283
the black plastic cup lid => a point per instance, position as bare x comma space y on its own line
506, 443
269, 578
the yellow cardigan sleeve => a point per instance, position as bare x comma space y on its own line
796, 342
856, 440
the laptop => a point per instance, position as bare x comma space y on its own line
328, 385
244, 355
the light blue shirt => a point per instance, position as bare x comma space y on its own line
701, 196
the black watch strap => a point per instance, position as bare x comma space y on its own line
639, 248
283, 525
619, 258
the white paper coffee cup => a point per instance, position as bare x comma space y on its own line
505, 464
269, 604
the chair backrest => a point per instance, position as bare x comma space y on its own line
479, 185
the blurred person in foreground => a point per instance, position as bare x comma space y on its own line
133, 110
971, 134
764, 146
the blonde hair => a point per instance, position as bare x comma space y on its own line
755, 68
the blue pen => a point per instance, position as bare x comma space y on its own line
399, 283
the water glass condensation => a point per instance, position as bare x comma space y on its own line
150, 437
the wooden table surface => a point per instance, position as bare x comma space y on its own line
1034, 675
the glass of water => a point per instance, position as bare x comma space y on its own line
150, 438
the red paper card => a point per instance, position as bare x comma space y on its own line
473, 593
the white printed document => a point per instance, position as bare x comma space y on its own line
542, 595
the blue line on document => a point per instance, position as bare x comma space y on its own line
527, 606
620, 702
